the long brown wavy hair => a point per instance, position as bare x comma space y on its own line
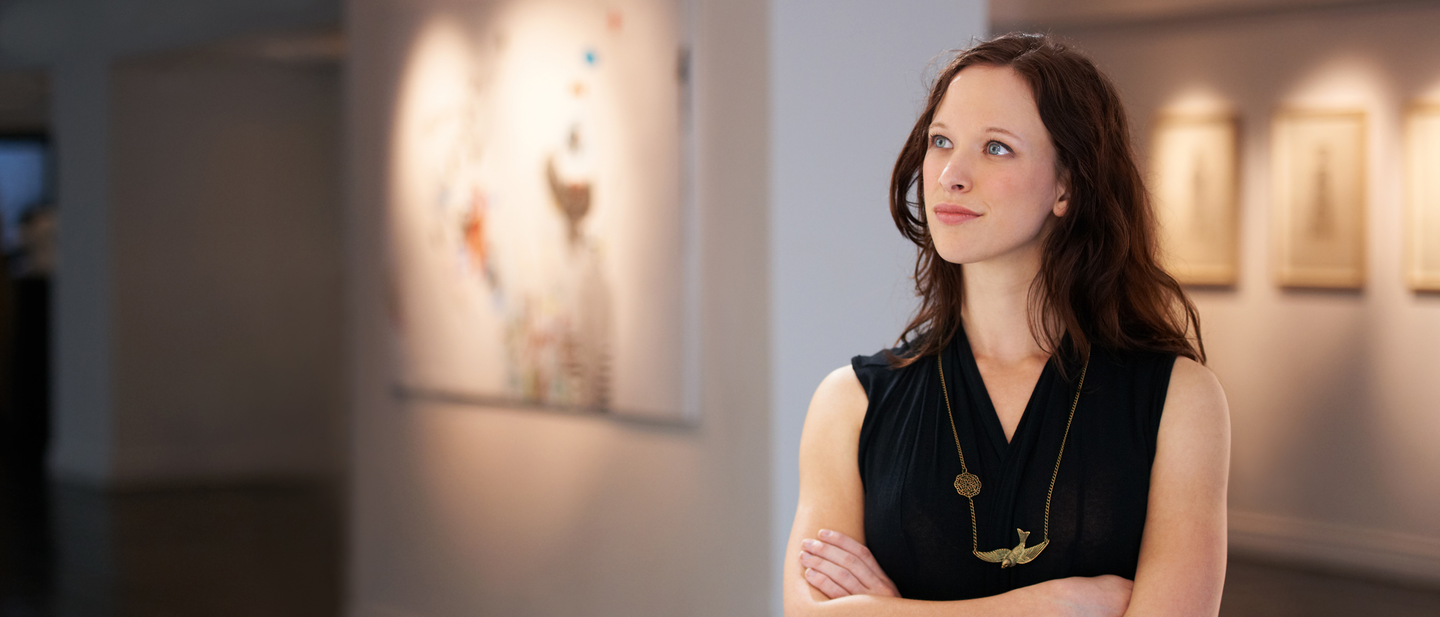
1100, 281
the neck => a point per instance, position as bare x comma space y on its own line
995, 309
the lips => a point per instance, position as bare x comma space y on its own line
952, 214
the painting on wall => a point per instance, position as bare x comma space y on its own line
1422, 242
1318, 176
1193, 174
538, 210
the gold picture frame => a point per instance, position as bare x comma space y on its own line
1194, 174
1422, 179
1319, 183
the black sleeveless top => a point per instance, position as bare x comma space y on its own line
918, 526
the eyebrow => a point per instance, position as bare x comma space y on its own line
996, 129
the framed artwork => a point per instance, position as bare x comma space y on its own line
539, 217
1193, 174
1318, 175
1422, 233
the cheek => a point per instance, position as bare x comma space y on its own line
929, 172
928, 189
1032, 198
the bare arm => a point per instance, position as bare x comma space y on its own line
832, 498
1182, 555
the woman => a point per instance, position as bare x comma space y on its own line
1046, 432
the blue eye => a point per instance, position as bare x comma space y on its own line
996, 148
939, 141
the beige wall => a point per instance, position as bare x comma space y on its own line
477, 511
225, 179
1334, 408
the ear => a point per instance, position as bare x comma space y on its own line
1062, 202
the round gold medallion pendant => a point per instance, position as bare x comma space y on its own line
967, 484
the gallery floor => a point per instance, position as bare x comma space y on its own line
277, 551
272, 550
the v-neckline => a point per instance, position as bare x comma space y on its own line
980, 396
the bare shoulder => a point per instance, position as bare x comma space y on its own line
1195, 423
837, 409
1195, 391
840, 393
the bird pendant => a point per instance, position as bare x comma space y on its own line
1007, 557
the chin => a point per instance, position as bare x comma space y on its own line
957, 251
959, 255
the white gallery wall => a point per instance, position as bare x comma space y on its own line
1333, 405
800, 108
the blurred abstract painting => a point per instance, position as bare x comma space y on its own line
537, 211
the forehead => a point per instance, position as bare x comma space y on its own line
986, 96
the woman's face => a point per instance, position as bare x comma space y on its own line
989, 175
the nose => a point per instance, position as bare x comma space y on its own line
956, 174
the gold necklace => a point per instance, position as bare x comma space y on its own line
968, 485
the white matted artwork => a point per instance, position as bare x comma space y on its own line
539, 215
1422, 242
1193, 167
1319, 179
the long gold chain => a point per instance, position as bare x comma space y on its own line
968, 484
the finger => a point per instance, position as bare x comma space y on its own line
842, 577
826, 586
845, 559
845, 568
854, 547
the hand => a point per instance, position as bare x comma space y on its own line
1081, 596
839, 566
